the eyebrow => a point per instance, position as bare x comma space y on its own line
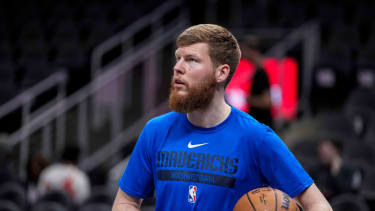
187, 55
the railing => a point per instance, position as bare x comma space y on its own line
124, 91
147, 55
126, 39
24, 102
309, 35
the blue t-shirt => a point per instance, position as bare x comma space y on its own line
193, 168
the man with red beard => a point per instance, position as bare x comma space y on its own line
206, 154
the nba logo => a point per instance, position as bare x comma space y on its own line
192, 193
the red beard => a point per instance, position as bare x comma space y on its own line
199, 95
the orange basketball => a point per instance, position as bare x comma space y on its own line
266, 199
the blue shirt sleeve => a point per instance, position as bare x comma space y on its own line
137, 179
280, 167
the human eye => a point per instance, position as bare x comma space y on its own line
192, 59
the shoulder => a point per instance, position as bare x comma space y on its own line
246, 122
164, 120
162, 124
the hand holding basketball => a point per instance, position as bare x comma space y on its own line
266, 199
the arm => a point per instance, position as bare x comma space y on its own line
126, 202
313, 200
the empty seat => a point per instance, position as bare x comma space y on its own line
56, 197
337, 55
49, 206
368, 187
330, 87
366, 77
14, 192
360, 110
359, 152
349, 202
100, 194
362, 98
334, 124
366, 57
6, 205
95, 207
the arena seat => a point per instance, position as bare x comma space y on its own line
55, 197
14, 192
95, 207
360, 152
349, 202
7, 205
367, 189
49, 206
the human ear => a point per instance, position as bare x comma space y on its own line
222, 72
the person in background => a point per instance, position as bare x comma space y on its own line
333, 175
66, 176
260, 96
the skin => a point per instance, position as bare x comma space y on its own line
193, 63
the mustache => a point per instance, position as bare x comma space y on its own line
178, 80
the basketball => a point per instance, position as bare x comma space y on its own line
266, 198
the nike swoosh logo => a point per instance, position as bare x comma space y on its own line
190, 146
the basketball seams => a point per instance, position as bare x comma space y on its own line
261, 198
251, 203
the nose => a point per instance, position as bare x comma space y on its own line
179, 67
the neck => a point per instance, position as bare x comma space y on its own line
215, 113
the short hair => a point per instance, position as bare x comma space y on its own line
223, 46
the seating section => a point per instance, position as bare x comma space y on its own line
36, 38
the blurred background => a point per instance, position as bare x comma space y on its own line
79, 79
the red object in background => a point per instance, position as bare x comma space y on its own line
238, 89
283, 79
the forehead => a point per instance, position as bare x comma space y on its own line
197, 49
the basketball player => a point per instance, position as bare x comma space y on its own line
206, 154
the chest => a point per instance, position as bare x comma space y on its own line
221, 159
